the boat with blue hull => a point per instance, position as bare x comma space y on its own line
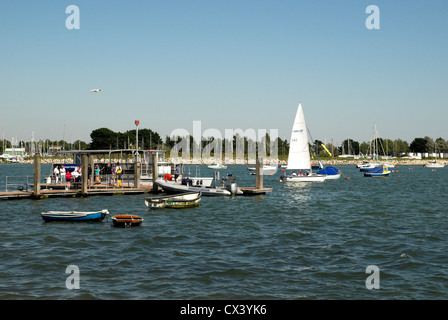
381, 171
74, 215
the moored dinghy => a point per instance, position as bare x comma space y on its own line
177, 201
126, 220
74, 215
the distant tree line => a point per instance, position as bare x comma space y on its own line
387, 146
104, 139
247, 144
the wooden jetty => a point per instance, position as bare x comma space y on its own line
44, 190
53, 193
251, 191
51, 190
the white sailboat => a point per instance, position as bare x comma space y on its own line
299, 154
375, 147
434, 163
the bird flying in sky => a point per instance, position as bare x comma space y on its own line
95, 90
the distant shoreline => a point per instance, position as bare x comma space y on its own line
336, 162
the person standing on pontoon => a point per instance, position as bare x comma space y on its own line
62, 173
56, 174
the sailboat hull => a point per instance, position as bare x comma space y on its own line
333, 176
305, 178
330, 173
378, 172
434, 165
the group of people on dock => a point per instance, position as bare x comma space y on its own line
68, 176
61, 175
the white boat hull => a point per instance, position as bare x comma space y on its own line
367, 165
434, 165
173, 187
217, 166
332, 176
265, 168
304, 178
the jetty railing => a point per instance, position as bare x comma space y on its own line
99, 181
20, 182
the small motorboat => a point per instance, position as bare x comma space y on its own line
126, 220
74, 215
217, 166
186, 185
368, 167
177, 201
267, 169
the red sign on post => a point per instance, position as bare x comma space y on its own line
137, 122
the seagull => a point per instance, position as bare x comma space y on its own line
95, 90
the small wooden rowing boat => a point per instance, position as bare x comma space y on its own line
126, 220
177, 201
74, 215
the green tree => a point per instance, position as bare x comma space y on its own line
349, 146
430, 145
364, 148
400, 146
102, 138
441, 145
419, 145
147, 139
79, 145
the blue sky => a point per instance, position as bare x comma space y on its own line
229, 64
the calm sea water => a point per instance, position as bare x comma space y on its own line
310, 241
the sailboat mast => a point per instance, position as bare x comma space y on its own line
332, 153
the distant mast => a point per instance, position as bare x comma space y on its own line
137, 122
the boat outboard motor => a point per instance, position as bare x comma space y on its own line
216, 177
231, 186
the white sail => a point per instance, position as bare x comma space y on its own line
299, 155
